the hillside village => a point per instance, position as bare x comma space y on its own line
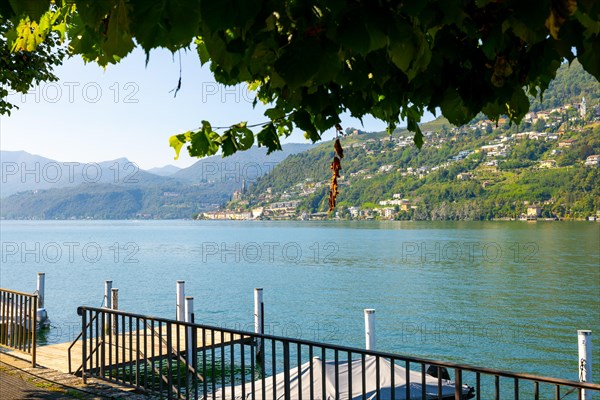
552, 135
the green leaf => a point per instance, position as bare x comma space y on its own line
303, 120
326, 119
524, 30
494, 110
228, 144
61, 29
355, 36
589, 56
217, 15
202, 50
268, 137
422, 56
28, 36
118, 39
172, 24
377, 38
6, 9
237, 137
245, 136
300, 62
418, 138
452, 11
454, 108
401, 54
203, 142
177, 142
402, 49
34, 9
518, 106
224, 14
274, 113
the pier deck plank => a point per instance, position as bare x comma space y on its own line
56, 356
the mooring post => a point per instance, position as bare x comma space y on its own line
585, 360
114, 306
258, 322
180, 306
370, 328
107, 304
189, 311
41, 288
107, 294
41, 316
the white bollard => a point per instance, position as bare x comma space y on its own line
180, 306
41, 316
107, 294
107, 304
115, 306
584, 339
370, 328
189, 311
258, 321
41, 288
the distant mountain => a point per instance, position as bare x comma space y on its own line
107, 201
15, 178
22, 171
167, 170
35, 187
248, 165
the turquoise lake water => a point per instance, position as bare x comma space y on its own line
508, 295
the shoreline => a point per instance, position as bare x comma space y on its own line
506, 219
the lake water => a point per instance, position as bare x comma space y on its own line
508, 295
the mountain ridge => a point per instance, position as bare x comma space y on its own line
35, 187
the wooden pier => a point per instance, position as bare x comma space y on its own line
131, 347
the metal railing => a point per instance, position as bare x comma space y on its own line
18, 321
176, 359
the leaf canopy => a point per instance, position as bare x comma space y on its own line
313, 60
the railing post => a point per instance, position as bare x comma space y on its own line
190, 344
33, 331
195, 356
585, 360
458, 384
258, 322
370, 329
189, 310
114, 306
180, 313
83, 343
286, 369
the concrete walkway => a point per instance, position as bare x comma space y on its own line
18, 380
15, 387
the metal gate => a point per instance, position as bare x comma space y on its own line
18, 312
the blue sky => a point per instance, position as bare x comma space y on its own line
127, 110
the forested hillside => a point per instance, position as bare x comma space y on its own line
478, 171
